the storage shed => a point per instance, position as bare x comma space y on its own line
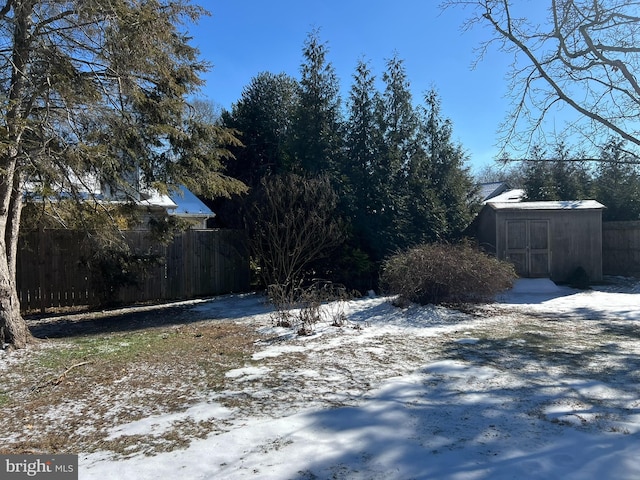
544, 239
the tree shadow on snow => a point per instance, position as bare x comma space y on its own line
485, 416
228, 307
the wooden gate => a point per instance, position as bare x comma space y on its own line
528, 247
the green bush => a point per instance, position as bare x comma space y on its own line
449, 274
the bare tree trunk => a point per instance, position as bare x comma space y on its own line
13, 224
13, 328
16, 331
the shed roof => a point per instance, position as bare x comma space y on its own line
555, 205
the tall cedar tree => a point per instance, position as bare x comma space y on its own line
563, 175
383, 168
95, 88
317, 129
363, 150
452, 186
390, 172
570, 173
537, 181
263, 120
559, 176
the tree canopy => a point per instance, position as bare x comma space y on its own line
316, 130
562, 174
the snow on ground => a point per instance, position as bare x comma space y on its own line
543, 384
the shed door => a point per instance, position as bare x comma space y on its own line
528, 247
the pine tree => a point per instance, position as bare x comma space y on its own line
317, 128
445, 181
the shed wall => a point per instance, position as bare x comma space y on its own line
575, 239
485, 231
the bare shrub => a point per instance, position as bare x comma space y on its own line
443, 273
292, 223
335, 297
302, 308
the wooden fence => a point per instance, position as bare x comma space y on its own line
57, 268
621, 248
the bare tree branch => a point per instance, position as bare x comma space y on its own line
586, 56
7, 8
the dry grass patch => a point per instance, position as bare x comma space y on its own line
67, 394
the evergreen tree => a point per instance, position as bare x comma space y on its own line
362, 149
391, 169
538, 182
400, 118
263, 118
571, 176
617, 183
444, 181
561, 176
363, 144
317, 130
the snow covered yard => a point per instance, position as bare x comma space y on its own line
543, 384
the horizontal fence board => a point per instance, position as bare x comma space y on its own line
53, 268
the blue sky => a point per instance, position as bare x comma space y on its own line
245, 37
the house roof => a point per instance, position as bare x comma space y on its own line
489, 190
515, 195
189, 205
555, 205
153, 198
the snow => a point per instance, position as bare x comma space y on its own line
546, 205
452, 415
157, 424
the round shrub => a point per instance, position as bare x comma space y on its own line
443, 273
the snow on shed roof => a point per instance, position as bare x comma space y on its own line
555, 205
